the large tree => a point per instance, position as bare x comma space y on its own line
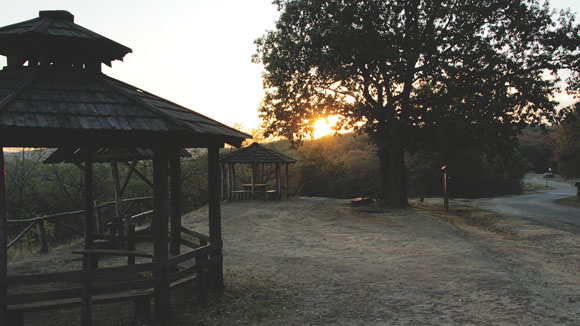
397, 69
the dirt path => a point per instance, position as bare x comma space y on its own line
317, 261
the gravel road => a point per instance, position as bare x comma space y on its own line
538, 205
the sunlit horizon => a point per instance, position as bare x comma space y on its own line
325, 126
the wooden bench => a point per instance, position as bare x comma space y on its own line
365, 198
272, 194
83, 288
91, 256
108, 252
240, 194
140, 299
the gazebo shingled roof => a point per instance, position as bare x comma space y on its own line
99, 110
256, 154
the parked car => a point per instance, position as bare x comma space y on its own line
548, 175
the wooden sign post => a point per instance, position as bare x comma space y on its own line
445, 195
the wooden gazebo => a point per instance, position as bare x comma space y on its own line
53, 94
256, 157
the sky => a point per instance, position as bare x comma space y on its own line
196, 53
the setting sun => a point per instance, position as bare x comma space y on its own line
324, 127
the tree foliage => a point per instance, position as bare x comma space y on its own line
569, 135
405, 71
540, 146
336, 166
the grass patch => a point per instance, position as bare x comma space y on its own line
464, 216
247, 300
532, 187
571, 201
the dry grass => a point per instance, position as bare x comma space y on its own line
464, 216
571, 201
317, 261
245, 301
532, 187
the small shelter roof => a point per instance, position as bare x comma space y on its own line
103, 155
256, 153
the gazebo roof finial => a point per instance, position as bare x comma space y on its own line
57, 14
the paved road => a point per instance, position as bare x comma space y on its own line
538, 205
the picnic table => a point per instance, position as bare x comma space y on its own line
259, 188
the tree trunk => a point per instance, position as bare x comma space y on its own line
397, 196
384, 171
393, 182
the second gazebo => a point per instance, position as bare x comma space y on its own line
259, 160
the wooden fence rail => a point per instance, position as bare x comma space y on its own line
39, 221
76, 288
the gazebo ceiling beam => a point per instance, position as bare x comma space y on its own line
132, 168
140, 175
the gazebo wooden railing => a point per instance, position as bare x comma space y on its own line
53, 218
135, 283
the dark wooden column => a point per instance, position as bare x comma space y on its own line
287, 183
253, 179
223, 178
159, 229
229, 169
88, 261
215, 218
89, 226
3, 243
278, 182
233, 176
118, 223
175, 177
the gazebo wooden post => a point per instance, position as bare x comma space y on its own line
175, 178
253, 179
278, 188
122, 229
229, 168
159, 229
287, 183
88, 203
233, 176
222, 181
3, 243
88, 261
215, 223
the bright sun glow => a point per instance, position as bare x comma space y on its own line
323, 127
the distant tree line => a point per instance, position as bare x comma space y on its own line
342, 166
555, 147
569, 139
